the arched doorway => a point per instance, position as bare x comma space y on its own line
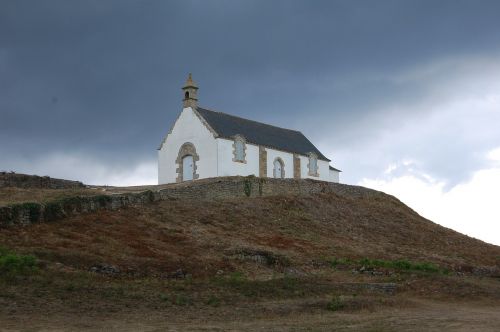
187, 168
187, 163
279, 169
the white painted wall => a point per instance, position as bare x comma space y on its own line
187, 128
228, 167
216, 154
287, 160
334, 176
323, 169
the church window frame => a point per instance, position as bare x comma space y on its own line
282, 168
186, 149
239, 149
312, 165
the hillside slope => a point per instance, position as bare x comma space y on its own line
202, 237
235, 254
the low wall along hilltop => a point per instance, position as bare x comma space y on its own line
10, 179
206, 189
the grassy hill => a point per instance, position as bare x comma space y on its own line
318, 254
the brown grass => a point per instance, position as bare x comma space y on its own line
20, 195
218, 243
196, 236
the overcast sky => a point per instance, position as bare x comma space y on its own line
403, 96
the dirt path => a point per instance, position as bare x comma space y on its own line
424, 316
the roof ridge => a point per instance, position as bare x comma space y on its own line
239, 117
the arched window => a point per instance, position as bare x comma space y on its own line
186, 95
313, 164
279, 169
239, 147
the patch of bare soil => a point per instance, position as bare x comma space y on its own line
422, 315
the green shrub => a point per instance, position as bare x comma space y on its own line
150, 195
290, 284
340, 261
103, 200
273, 288
181, 300
401, 264
70, 287
34, 210
12, 264
176, 299
336, 304
71, 201
261, 185
427, 267
247, 187
213, 301
53, 211
236, 277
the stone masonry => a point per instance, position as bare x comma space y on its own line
9, 179
205, 189
185, 150
262, 162
296, 166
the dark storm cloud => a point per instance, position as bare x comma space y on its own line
103, 77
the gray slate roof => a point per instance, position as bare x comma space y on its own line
227, 126
334, 169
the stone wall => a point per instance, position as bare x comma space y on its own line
9, 179
206, 189
251, 186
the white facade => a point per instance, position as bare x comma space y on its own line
334, 176
213, 156
228, 167
287, 159
187, 128
323, 169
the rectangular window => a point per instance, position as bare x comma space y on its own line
313, 165
239, 151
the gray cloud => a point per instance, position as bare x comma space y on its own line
102, 78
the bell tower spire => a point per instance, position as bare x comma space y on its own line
190, 93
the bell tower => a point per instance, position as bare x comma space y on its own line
190, 93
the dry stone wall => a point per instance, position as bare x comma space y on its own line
234, 187
206, 189
9, 179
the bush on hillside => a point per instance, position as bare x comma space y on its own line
12, 264
401, 264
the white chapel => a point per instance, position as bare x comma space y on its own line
204, 143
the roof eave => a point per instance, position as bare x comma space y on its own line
335, 169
